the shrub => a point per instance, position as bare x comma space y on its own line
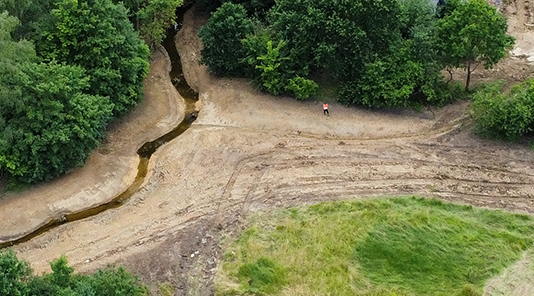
12, 273
254, 45
504, 116
302, 88
270, 78
155, 18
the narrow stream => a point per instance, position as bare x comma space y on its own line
145, 152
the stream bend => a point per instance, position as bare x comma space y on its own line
145, 152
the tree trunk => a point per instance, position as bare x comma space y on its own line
450, 76
468, 80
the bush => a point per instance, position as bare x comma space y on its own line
270, 78
13, 274
504, 116
16, 280
258, 8
302, 88
223, 51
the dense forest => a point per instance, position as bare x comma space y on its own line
388, 53
67, 69
383, 53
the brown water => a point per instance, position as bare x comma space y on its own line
145, 152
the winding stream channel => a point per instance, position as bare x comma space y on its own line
145, 152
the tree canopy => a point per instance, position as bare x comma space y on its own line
151, 17
97, 35
222, 35
48, 123
382, 53
473, 33
57, 100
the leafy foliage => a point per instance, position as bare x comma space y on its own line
302, 88
472, 33
385, 83
223, 51
33, 16
504, 116
257, 8
55, 104
151, 17
155, 17
97, 35
270, 77
52, 115
47, 124
51, 126
382, 53
16, 280
13, 274
255, 45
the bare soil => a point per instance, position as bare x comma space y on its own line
250, 152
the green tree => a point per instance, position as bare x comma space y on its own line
97, 35
155, 17
255, 8
13, 274
258, 8
255, 45
223, 51
62, 272
340, 36
473, 33
110, 281
386, 82
270, 78
51, 126
382, 53
33, 15
47, 124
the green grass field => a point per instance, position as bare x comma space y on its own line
386, 246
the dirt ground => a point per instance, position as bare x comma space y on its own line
251, 152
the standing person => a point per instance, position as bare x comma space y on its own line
325, 109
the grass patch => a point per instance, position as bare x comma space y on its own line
393, 246
165, 289
264, 276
